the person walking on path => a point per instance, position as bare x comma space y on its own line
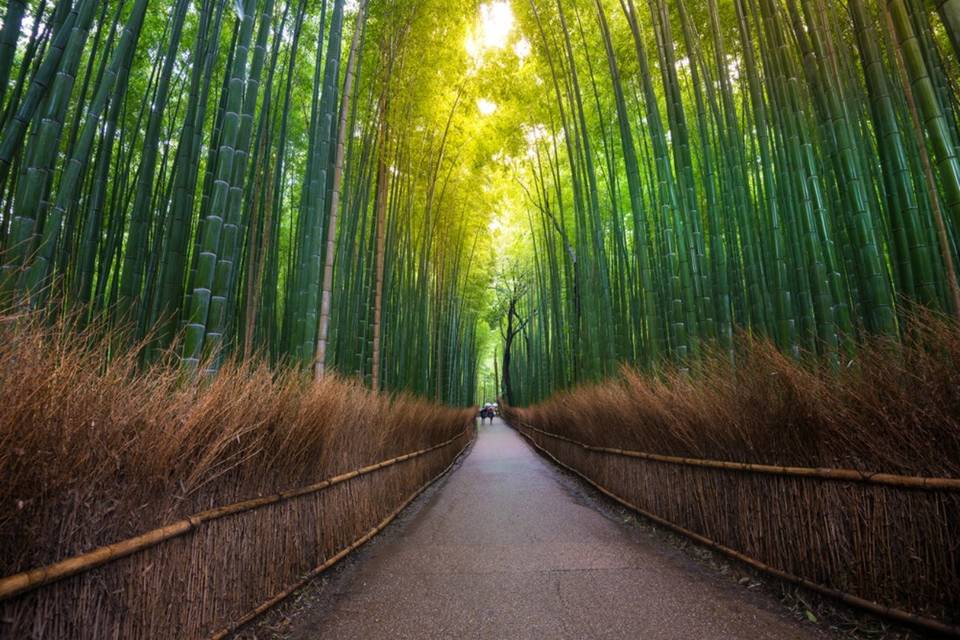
487, 412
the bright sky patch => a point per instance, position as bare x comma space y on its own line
493, 30
486, 107
496, 23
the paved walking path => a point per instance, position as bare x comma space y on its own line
508, 547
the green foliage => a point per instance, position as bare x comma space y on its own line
732, 166
662, 175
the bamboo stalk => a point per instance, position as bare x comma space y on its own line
320, 361
898, 615
942, 236
822, 473
19, 583
340, 555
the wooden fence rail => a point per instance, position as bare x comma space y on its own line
25, 581
843, 475
928, 624
313, 573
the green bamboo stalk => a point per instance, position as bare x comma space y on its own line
320, 359
198, 318
134, 260
8, 42
69, 183
27, 212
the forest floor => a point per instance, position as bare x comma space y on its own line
509, 546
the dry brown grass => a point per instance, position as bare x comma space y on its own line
892, 408
93, 450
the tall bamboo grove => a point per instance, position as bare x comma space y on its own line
233, 178
304, 180
786, 168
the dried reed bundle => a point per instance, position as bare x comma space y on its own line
891, 409
94, 450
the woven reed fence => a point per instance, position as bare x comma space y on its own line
209, 573
885, 543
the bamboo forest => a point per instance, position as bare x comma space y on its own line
537, 318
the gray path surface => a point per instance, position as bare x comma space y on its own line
504, 548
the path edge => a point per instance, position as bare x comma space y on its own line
280, 596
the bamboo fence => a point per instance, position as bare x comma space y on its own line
271, 602
889, 539
822, 473
117, 590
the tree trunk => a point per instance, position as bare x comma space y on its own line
508, 343
320, 362
381, 212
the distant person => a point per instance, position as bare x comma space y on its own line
486, 412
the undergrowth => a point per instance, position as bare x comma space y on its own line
94, 447
889, 406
